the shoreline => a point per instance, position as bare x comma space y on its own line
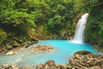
80, 60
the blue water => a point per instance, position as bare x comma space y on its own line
64, 50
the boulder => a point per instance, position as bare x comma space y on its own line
10, 53
50, 65
40, 66
95, 67
7, 66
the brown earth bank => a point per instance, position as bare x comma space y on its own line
80, 60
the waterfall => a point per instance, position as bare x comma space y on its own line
79, 33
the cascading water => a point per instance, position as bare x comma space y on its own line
79, 33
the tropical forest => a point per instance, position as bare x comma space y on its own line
51, 34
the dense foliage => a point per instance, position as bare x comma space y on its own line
16, 21
50, 17
94, 30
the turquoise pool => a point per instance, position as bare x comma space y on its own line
61, 55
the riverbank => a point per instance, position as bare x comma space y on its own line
80, 60
16, 44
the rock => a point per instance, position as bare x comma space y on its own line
28, 42
27, 67
100, 49
57, 66
85, 59
9, 53
16, 44
63, 66
95, 67
83, 53
50, 65
8, 46
40, 66
14, 51
41, 48
7, 66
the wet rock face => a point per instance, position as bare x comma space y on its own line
41, 48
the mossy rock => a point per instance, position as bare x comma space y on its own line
8, 46
16, 44
3, 33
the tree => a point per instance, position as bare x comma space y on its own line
6, 4
17, 22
